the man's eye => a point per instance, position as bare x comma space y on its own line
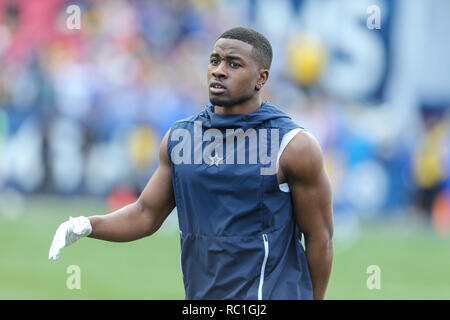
214, 62
234, 65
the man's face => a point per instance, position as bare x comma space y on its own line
232, 73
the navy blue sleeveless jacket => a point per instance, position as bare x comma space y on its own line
238, 232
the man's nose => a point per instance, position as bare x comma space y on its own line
219, 71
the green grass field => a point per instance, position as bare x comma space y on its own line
414, 262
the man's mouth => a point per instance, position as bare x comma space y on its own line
216, 87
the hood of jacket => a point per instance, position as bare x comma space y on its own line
265, 112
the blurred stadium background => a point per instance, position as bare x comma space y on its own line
82, 113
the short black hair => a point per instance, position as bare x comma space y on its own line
261, 46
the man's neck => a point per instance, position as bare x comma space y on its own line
242, 108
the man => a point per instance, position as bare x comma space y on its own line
247, 183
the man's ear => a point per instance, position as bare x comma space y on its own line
262, 78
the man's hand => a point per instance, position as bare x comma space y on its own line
67, 233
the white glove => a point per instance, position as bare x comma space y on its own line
67, 233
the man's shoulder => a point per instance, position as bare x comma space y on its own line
199, 116
303, 155
281, 118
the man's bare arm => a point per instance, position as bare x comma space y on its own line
302, 167
146, 215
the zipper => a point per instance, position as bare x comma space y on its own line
263, 267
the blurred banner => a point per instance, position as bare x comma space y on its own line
84, 107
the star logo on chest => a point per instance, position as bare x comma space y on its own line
216, 160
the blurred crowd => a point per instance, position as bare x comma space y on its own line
82, 111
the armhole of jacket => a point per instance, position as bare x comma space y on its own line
168, 147
284, 142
